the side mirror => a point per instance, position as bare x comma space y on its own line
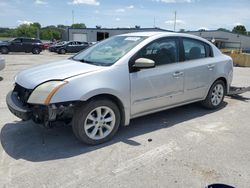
144, 63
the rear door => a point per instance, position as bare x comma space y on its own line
199, 68
159, 87
27, 44
71, 47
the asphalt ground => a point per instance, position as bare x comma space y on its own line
182, 147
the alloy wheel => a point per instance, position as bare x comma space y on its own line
99, 123
217, 94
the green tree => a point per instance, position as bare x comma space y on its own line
26, 30
60, 26
36, 24
49, 33
223, 29
240, 29
78, 26
7, 32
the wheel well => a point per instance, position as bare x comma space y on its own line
35, 48
4, 47
224, 80
114, 99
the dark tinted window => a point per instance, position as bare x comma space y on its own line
37, 41
17, 40
195, 49
27, 40
163, 51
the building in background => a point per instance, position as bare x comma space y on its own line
98, 34
224, 39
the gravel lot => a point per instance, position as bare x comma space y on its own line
182, 147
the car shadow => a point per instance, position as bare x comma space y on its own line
1, 78
240, 98
31, 142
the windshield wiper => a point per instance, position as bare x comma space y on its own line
91, 62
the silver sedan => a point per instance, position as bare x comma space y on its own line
122, 78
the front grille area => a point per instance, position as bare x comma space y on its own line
22, 93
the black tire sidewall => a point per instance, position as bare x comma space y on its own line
208, 103
4, 50
36, 51
81, 115
62, 51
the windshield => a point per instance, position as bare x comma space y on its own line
106, 53
61, 43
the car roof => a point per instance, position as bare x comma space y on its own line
164, 34
144, 34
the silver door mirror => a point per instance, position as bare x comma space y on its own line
144, 63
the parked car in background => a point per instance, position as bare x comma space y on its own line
56, 45
246, 50
121, 78
69, 47
46, 45
2, 63
21, 44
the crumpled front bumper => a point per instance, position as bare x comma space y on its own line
17, 107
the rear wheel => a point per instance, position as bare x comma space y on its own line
4, 50
96, 122
36, 51
215, 95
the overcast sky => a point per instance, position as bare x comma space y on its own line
191, 14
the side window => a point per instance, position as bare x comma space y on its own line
163, 51
195, 49
27, 40
17, 40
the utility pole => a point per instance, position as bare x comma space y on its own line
73, 17
174, 20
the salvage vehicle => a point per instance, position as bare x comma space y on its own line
21, 44
69, 47
2, 63
121, 78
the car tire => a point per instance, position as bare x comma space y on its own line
4, 50
62, 51
215, 96
36, 51
96, 121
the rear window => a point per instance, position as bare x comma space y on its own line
195, 49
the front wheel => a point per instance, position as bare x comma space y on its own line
62, 51
96, 122
215, 95
4, 50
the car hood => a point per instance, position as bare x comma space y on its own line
4, 43
60, 70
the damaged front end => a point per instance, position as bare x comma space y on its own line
17, 102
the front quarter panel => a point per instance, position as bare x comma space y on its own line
112, 80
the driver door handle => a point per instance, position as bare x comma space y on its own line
210, 67
178, 74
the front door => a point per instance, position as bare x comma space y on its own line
161, 86
16, 45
